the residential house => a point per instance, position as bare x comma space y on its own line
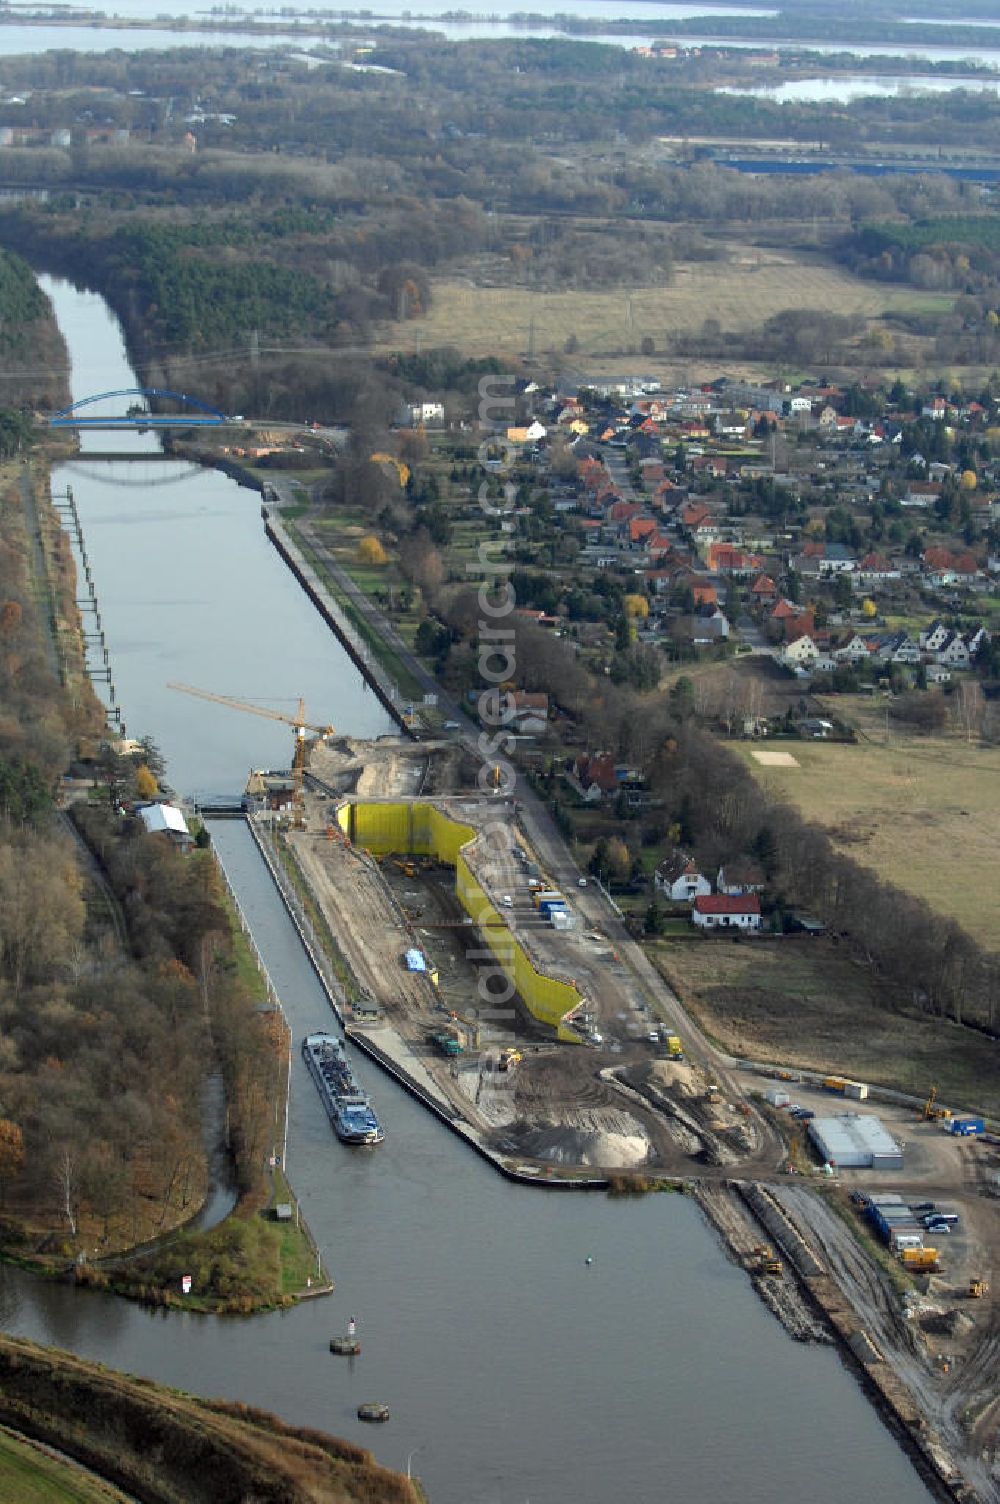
800, 654
595, 775
740, 876
935, 636
899, 647
679, 879
856, 649
876, 569
764, 591
708, 625
528, 713
920, 493
720, 911
530, 435
837, 558
426, 414
954, 653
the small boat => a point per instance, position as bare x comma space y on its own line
374, 1414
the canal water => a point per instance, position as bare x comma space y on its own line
514, 1369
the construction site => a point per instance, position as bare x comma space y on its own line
516, 1005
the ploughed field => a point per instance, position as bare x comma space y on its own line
923, 812
740, 293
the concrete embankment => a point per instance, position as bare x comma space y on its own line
337, 619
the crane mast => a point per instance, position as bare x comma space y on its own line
297, 721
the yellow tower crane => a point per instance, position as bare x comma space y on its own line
298, 721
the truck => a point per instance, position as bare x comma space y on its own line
509, 1058
546, 895
548, 905
834, 1083
966, 1127
674, 1048
447, 1042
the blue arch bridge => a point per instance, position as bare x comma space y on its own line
194, 412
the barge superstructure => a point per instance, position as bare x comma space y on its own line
347, 1106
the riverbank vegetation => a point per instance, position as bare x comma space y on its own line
119, 977
162, 1445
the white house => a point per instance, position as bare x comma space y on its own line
802, 653
679, 880
165, 819
934, 637
416, 413
854, 651
954, 653
722, 911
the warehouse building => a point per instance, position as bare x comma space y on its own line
856, 1141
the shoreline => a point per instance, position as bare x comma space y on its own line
810, 1287
892, 1400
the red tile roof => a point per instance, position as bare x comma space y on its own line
728, 903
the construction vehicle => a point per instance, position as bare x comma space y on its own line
407, 868
447, 1042
933, 1114
509, 1058
978, 1288
766, 1260
675, 1050
298, 721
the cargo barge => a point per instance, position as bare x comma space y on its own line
347, 1106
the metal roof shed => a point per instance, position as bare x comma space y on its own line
856, 1141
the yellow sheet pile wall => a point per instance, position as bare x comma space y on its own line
424, 830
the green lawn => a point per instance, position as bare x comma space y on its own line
28, 1476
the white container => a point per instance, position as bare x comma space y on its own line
856, 1089
776, 1098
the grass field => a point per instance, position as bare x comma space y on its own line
803, 1002
923, 812
29, 1476
740, 294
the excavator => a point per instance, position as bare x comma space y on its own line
766, 1261
933, 1114
978, 1288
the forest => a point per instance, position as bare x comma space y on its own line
315, 209
104, 1027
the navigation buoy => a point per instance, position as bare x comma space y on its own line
352, 1330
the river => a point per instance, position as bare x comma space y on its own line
514, 1369
497, 19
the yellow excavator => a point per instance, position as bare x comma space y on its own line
933, 1114
766, 1261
